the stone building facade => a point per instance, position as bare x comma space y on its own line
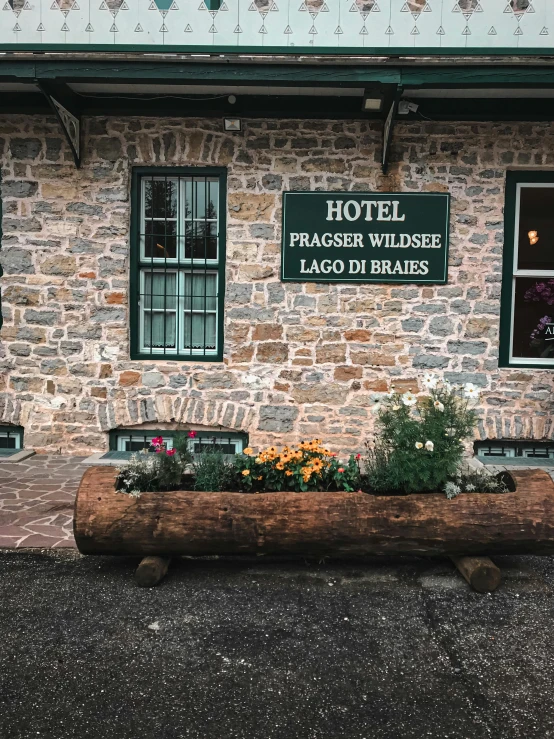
300, 360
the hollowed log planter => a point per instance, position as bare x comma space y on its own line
191, 523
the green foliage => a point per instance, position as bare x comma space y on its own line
309, 466
420, 444
212, 472
155, 471
474, 481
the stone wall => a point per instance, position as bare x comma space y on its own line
300, 360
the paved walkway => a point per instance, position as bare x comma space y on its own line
36, 501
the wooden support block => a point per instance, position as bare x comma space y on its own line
480, 572
151, 571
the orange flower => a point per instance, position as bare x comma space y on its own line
340, 469
246, 472
288, 473
248, 451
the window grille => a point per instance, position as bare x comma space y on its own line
125, 442
179, 259
515, 451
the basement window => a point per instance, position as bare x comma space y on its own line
11, 440
509, 452
125, 442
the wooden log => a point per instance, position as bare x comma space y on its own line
480, 572
341, 524
151, 571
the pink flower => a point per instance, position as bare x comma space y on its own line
192, 434
341, 469
358, 456
158, 441
170, 452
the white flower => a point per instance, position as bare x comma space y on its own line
471, 392
470, 488
409, 398
375, 403
429, 446
392, 392
438, 405
418, 445
396, 407
430, 381
451, 490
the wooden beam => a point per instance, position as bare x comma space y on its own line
480, 572
151, 571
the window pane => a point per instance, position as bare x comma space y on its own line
201, 291
200, 330
533, 335
160, 241
200, 240
536, 228
160, 291
160, 198
7, 442
159, 330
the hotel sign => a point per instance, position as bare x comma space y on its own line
365, 237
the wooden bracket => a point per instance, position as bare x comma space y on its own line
388, 127
64, 103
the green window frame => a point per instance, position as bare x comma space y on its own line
516, 183
177, 266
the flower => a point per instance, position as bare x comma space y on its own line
170, 452
451, 490
358, 456
192, 434
248, 451
438, 405
409, 398
429, 446
418, 445
157, 441
470, 391
288, 473
246, 472
340, 469
396, 407
430, 381
391, 392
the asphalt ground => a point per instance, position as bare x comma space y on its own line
265, 649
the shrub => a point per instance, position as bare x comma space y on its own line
212, 472
155, 471
309, 466
421, 440
474, 481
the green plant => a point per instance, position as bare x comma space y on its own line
155, 471
474, 481
309, 466
212, 472
420, 445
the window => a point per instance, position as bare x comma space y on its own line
527, 319
178, 263
11, 440
123, 442
515, 452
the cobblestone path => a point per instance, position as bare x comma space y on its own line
36, 501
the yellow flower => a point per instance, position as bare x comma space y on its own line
246, 472
279, 466
288, 473
248, 451
260, 477
259, 460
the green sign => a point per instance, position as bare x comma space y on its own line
365, 237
